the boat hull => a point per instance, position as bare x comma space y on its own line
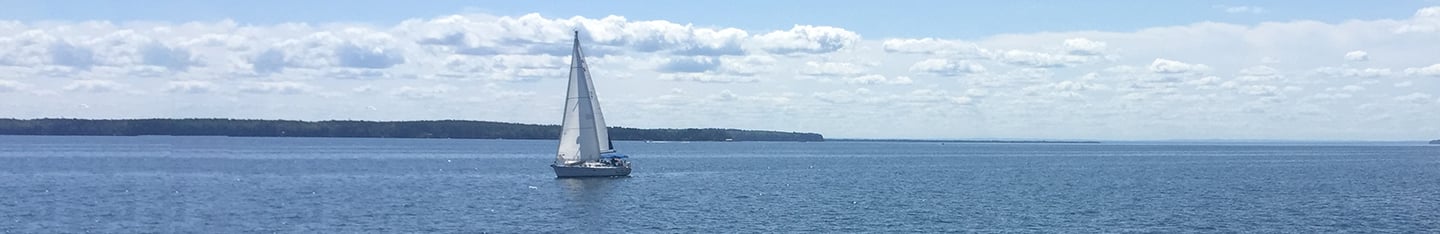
569, 171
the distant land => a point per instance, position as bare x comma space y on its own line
1437, 142
968, 141
464, 129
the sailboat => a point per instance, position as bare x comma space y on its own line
585, 149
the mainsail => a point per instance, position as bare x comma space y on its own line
583, 136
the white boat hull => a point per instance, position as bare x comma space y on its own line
583, 171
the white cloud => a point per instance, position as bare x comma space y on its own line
1208, 82
66, 54
1010, 78
698, 64
746, 66
1167, 66
947, 67
1417, 98
1332, 96
349, 47
1260, 70
29, 48
976, 92
364, 89
1432, 70
928, 96
504, 67
1083, 46
373, 57
725, 95
816, 68
431, 92
1036, 59
878, 79
806, 39
1352, 88
1262, 80
189, 86
1260, 73
707, 78
1078, 85
1063, 89
715, 70
420, 48
94, 86
12, 86
859, 95
278, 87
1353, 72
1357, 56
1426, 20
533, 33
1241, 9
1259, 90
935, 46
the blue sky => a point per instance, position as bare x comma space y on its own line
1123, 70
955, 19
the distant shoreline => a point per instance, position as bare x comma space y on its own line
452, 129
968, 141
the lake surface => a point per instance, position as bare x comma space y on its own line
221, 184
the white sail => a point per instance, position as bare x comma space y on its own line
583, 136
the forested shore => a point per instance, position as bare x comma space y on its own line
465, 129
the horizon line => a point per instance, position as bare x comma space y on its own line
1033, 139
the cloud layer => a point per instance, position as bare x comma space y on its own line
1361, 79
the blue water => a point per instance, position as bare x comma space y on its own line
221, 184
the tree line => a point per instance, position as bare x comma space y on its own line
464, 129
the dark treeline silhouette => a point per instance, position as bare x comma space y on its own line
351, 128
1437, 142
969, 141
